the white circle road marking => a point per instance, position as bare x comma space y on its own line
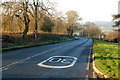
20, 61
60, 60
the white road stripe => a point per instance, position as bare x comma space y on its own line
88, 65
21, 61
86, 76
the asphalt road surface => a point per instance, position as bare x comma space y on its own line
67, 60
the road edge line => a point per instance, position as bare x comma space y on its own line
88, 64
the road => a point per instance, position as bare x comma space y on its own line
67, 60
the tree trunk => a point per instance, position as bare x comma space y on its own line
36, 21
26, 26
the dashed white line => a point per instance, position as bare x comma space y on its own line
21, 61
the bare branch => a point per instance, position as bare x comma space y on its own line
31, 13
32, 7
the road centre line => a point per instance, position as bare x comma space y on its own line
21, 61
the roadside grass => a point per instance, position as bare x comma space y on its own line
15, 41
33, 44
106, 57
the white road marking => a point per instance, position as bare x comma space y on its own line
86, 77
65, 61
54, 61
41, 64
88, 65
3, 69
21, 61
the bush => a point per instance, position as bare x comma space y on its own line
13, 39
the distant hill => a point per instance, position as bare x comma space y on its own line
104, 25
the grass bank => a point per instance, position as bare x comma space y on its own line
15, 41
32, 44
106, 57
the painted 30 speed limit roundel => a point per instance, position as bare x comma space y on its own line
58, 62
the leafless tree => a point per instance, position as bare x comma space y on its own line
93, 31
18, 10
40, 8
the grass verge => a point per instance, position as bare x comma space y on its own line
106, 57
33, 44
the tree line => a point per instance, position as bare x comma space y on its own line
17, 16
26, 16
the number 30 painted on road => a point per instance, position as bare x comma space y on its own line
58, 62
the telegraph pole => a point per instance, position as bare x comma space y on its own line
119, 7
119, 19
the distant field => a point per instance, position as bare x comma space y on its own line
106, 57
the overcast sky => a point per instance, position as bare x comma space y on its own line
90, 10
